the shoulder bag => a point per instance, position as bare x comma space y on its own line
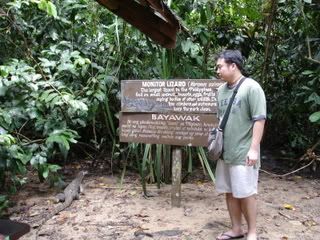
215, 139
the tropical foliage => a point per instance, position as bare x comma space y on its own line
61, 63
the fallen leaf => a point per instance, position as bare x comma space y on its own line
297, 177
199, 183
295, 223
310, 223
34, 213
289, 207
306, 197
103, 184
284, 238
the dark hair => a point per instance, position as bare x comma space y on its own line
232, 56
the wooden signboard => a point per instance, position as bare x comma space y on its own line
167, 128
187, 96
173, 112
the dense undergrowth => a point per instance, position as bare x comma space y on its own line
61, 64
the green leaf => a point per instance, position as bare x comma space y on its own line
26, 158
47, 63
51, 97
5, 118
3, 91
186, 45
194, 50
51, 9
6, 139
54, 168
78, 105
38, 159
21, 167
55, 101
48, 7
60, 139
308, 72
45, 172
315, 117
42, 5
66, 67
314, 97
45, 94
203, 157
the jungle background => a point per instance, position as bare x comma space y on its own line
61, 64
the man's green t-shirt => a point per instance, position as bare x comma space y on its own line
248, 106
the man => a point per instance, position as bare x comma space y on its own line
237, 173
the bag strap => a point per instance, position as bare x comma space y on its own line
226, 115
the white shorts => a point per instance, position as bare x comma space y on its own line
240, 180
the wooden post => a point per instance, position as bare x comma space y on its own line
176, 177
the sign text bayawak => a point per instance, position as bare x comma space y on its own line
173, 112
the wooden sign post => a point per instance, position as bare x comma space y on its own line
173, 112
176, 177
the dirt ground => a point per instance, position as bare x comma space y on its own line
289, 208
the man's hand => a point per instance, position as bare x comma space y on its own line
252, 157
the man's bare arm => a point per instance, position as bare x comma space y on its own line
257, 133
